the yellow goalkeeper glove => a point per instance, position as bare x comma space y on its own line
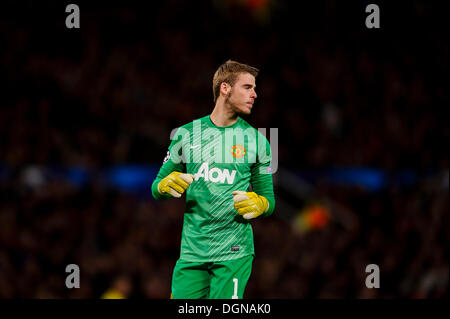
175, 184
249, 204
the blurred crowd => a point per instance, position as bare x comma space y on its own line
126, 247
111, 92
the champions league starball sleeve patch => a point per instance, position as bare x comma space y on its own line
167, 157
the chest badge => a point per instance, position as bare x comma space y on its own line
238, 151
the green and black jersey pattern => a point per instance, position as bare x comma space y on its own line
223, 160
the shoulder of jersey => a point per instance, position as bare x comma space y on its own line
190, 125
246, 124
258, 133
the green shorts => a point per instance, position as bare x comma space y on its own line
211, 280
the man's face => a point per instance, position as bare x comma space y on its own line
242, 95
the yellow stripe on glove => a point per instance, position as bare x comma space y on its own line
175, 184
249, 204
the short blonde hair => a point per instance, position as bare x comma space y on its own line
228, 72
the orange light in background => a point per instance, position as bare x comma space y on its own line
318, 216
260, 10
257, 4
312, 217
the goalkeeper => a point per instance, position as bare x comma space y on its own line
217, 249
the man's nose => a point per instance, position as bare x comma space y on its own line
254, 95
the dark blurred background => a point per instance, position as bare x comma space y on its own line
362, 117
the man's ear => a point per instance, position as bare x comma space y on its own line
225, 88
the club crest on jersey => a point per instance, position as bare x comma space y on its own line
167, 157
215, 175
238, 151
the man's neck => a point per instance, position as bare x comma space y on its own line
222, 116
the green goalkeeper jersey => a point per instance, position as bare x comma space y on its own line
222, 160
